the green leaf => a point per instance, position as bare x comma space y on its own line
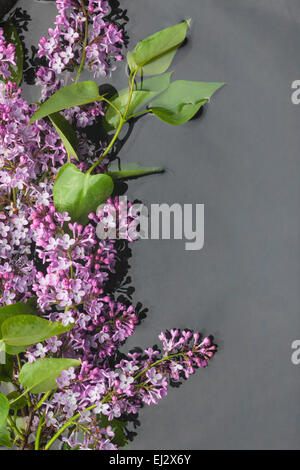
4, 349
154, 67
6, 370
80, 193
12, 37
133, 170
154, 47
67, 97
139, 99
66, 133
41, 375
145, 90
13, 350
182, 100
19, 404
5, 439
19, 308
23, 330
4, 409
118, 426
156, 84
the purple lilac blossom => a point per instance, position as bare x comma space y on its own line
62, 51
68, 270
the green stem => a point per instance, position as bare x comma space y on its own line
66, 425
139, 113
112, 105
14, 427
71, 267
38, 433
109, 146
14, 192
43, 399
123, 119
26, 394
80, 68
163, 359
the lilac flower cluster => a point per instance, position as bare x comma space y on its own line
63, 51
100, 390
66, 266
7, 56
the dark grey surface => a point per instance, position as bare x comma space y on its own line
241, 159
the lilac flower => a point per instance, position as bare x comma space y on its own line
68, 273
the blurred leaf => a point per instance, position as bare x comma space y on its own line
19, 404
66, 133
23, 330
41, 375
6, 370
5, 439
4, 409
79, 193
67, 97
182, 100
19, 308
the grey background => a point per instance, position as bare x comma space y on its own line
240, 159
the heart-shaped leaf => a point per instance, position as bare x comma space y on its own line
19, 308
182, 100
12, 37
4, 409
133, 170
79, 193
66, 133
23, 330
157, 45
67, 97
41, 375
5, 439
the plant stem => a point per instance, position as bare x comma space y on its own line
43, 399
109, 146
14, 427
123, 119
139, 113
66, 425
14, 192
163, 359
26, 394
80, 68
38, 433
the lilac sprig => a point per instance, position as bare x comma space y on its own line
81, 37
139, 379
65, 265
